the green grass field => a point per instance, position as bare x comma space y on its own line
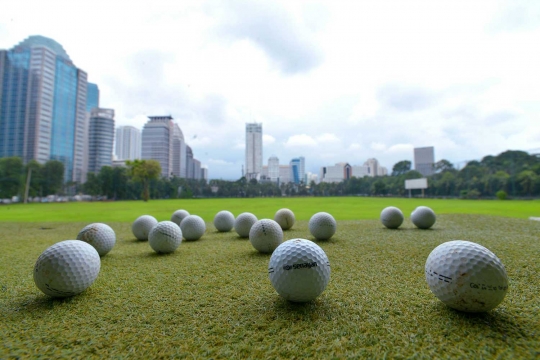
212, 298
342, 208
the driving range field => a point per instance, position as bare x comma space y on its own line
212, 298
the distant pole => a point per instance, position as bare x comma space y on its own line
27, 188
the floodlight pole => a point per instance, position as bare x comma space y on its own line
28, 177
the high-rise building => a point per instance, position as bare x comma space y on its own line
43, 105
298, 170
128, 143
254, 151
424, 160
273, 168
100, 139
157, 137
92, 97
163, 140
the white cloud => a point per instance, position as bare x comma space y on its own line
300, 140
378, 146
268, 139
327, 138
401, 148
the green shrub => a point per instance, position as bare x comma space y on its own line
501, 195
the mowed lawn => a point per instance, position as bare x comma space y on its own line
342, 208
212, 298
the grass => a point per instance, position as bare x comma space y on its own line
342, 208
212, 298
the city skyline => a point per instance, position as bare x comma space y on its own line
343, 80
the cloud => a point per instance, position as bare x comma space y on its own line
219, 162
268, 139
327, 138
401, 149
300, 140
268, 25
405, 98
378, 146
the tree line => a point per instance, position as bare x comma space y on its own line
509, 174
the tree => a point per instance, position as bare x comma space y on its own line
53, 177
443, 165
10, 176
401, 168
527, 179
144, 171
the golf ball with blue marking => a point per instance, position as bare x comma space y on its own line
299, 270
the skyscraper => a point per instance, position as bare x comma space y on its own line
43, 105
273, 168
163, 140
128, 143
424, 159
254, 151
92, 97
298, 170
100, 139
157, 142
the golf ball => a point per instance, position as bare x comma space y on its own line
466, 276
285, 218
392, 217
299, 270
100, 236
178, 216
67, 268
243, 223
322, 225
224, 221
265, 235
193, 227
165, 237
142, 226
423, 217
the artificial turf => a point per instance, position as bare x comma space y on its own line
212, 298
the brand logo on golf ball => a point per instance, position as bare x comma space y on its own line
488, 287
300, 266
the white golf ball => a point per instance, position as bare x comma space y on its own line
243, 223
142, 226
423, 217
193, 227
67, 268
322, 225
285, 218
178, 216
466, 276
224, 221
299, 270
265, 235
392, 217
165, 237
100, 236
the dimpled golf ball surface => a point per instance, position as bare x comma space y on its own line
178, 216
392, 217
165, 237
100, 236
193, 227
466, 276
322, 225
142, 226
67, 268
243, 223
299, 270
224, 221
285, 218
423, 217
266, 235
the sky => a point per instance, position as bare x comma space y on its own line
333, 81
